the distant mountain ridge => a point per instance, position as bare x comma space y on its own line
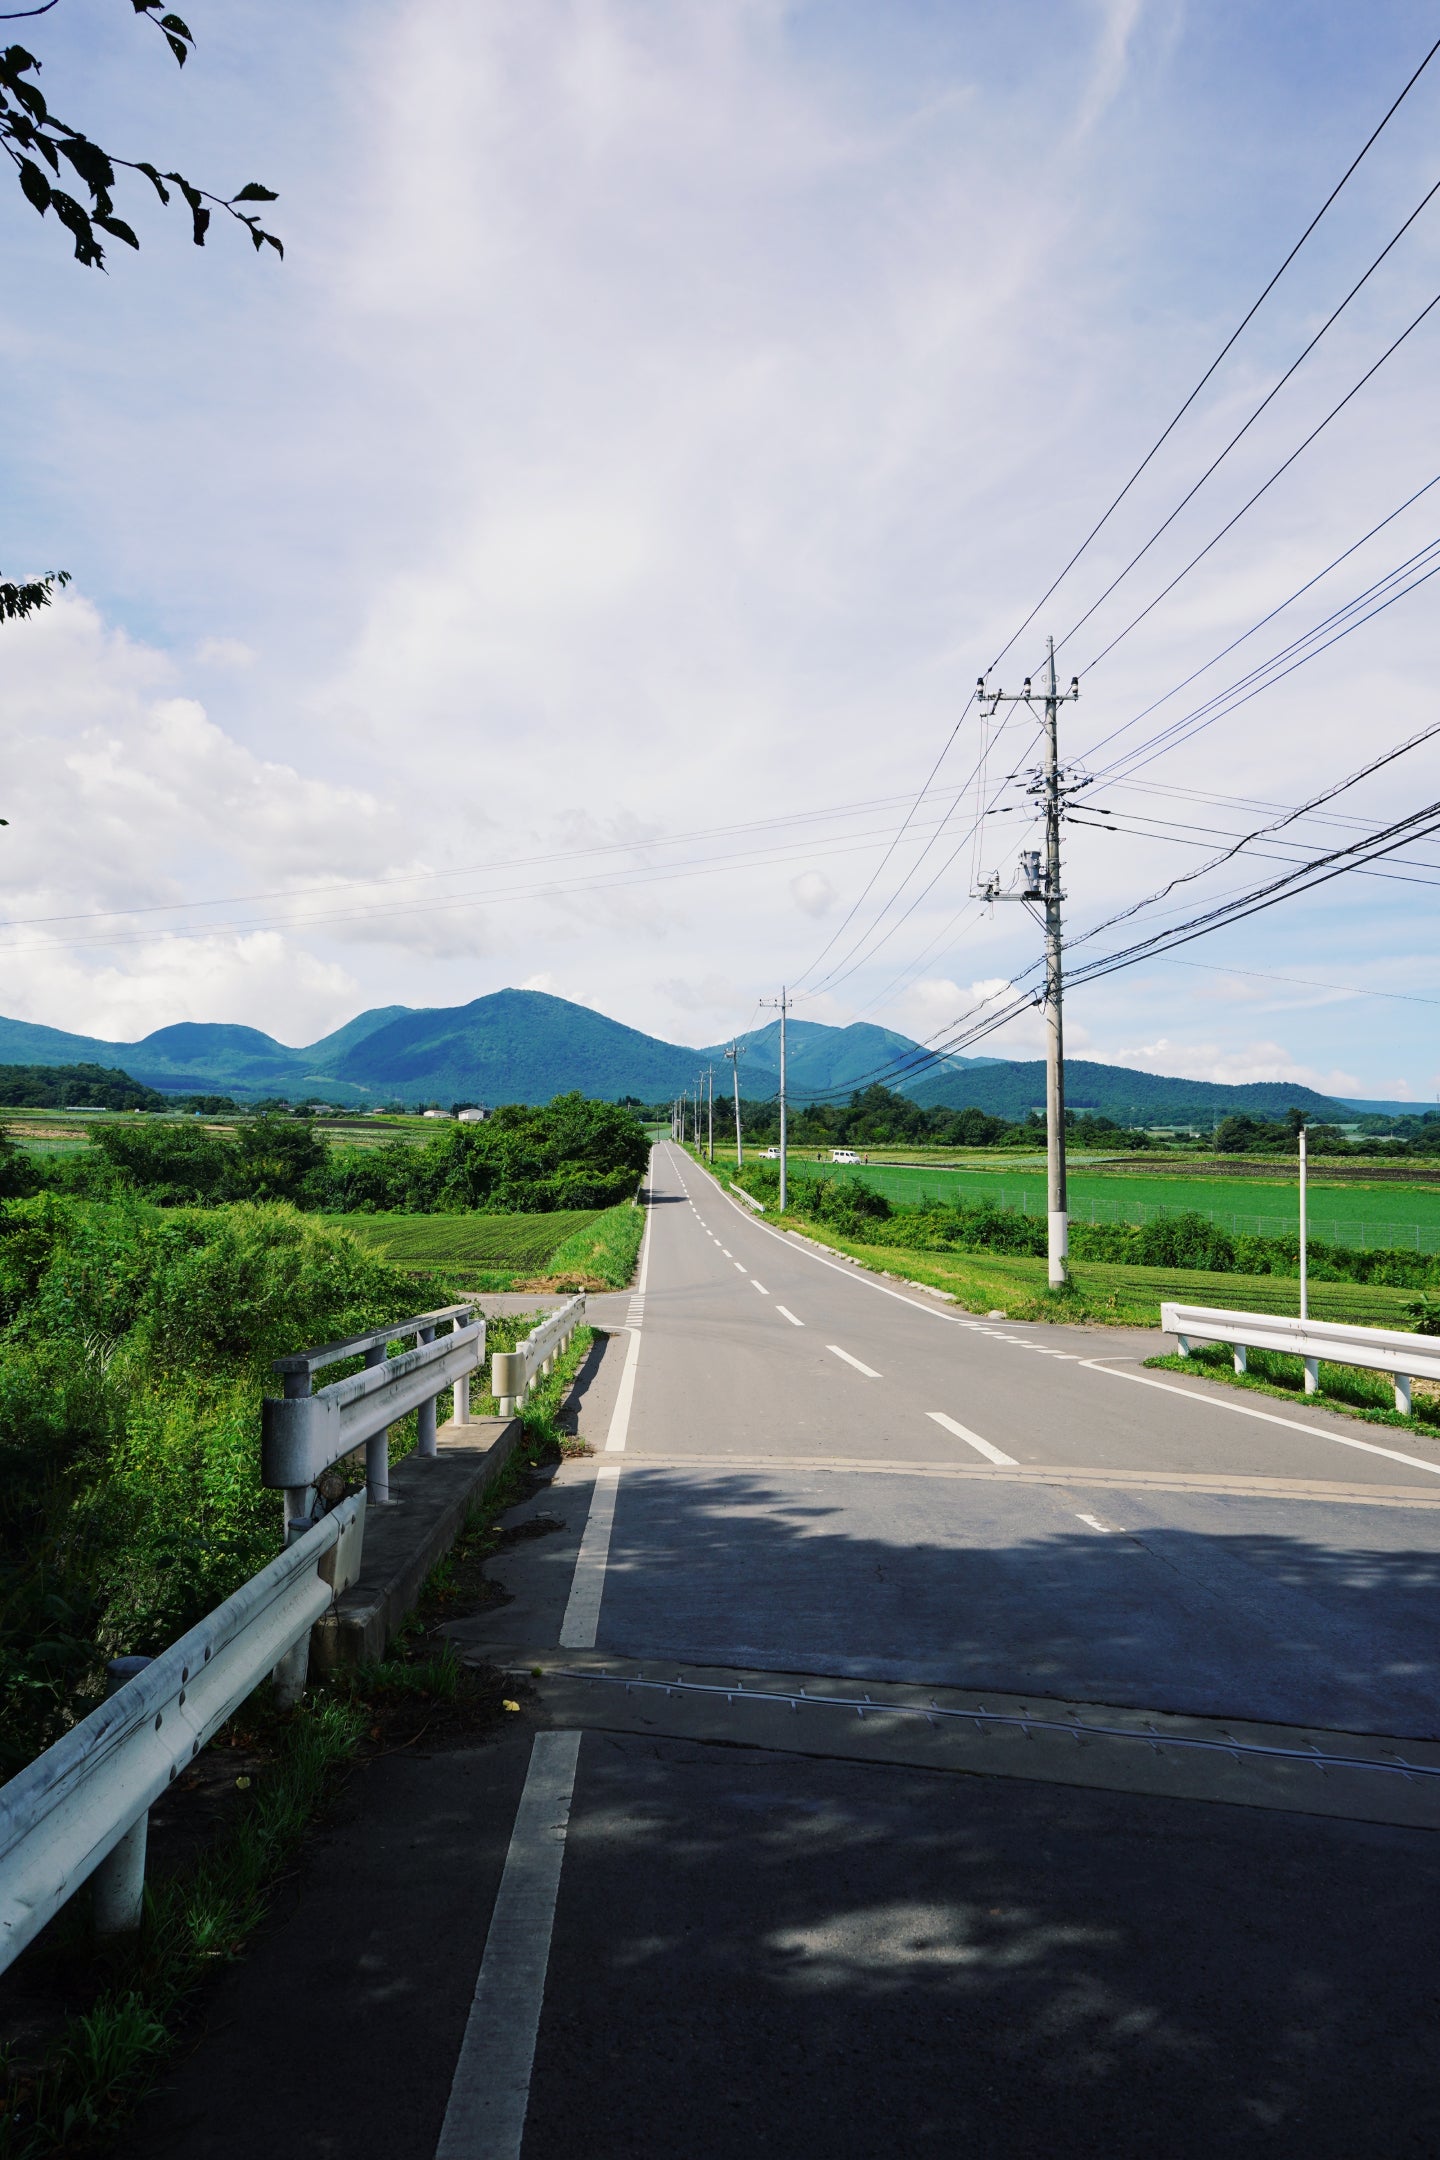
525, 1046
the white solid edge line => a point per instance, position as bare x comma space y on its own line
785, 1310
868, 1370
582, 1608
1267, 1417
490, 2091
973, 1439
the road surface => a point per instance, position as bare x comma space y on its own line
949, 1737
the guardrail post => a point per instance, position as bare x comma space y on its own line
288, 1678
507, 1373
118, 1884
1240, 1356
1312, 1375
377, 1447
1183, 1342
1402, 1393
299, 1499
461, 1411
425, 1415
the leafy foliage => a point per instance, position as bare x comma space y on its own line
20, 597
46, 150
135, 1346
58, 1087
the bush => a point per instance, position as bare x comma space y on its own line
135, 1347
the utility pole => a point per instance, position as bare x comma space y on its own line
710, 1141
783, 1003
1048, 787
735, 1053
1304, 1287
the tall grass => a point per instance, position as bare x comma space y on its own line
606, 1250
135, 1347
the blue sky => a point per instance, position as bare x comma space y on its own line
566, 566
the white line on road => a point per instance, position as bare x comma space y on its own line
490, 2092
620, 1416
1095, 1523
726, 1250
868, 1370
1267, 1417
741, 1270
982, 1447
760, 1287
789, 1316
582, 1611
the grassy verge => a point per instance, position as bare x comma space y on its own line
133, 1998
1107, 1293
1342, 1387
602, 1256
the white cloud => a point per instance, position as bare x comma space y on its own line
1235, 1066
224, 652
659, 418
813, 892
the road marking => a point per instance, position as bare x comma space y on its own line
620, 1416
582, 1609
726, 1250
789, 1316
760, 1287
743, 1271
490, 2091
868, 1370
982, 1447
1266, 1417
1106, 1529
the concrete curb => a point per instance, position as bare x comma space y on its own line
429, 1501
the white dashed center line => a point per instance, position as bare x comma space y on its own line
868, 1370
760, 1287
743, 1271
786, 1313
963, 1432
1106, 1529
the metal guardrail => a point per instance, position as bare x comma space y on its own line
304, 1434
513, 1371
82, 1808
1406, 1357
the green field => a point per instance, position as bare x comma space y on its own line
522, 1242
1350, 1214
1115, 1294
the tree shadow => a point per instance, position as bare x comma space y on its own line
1219, 1610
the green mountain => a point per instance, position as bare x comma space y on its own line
522, 1046
1013, 1090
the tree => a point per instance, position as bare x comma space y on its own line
43, 149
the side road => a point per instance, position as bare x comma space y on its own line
943, 1733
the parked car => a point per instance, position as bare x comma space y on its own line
843, 1154
770, 1154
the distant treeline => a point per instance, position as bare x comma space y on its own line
573, 1153
91, 1087
877, 1117
1186, 1239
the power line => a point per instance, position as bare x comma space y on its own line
1235, 334
1264, 488
1240, 433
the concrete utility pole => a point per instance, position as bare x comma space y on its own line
1044, 886
710, 1127
735, 1053
783, 1003
1304, 1287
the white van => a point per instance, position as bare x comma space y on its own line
770, 1154
843, 1154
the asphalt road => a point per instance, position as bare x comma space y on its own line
980, 1807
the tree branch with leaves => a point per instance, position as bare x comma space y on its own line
44, 149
